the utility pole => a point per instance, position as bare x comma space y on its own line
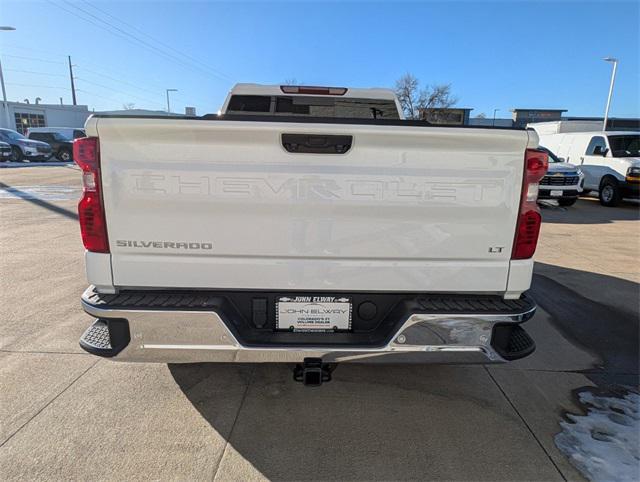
4, 92
168, 104
613, 81
73, 87
494, 117
4, 100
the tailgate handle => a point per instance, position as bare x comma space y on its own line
316, 144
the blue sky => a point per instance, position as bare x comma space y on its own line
496, 55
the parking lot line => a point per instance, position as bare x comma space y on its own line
14, 382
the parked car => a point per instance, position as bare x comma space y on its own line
562, 182
24, 148
68, 132
306, 227
62, 146
610, 160
5, 151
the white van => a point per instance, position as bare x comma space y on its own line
70, 133
610, 160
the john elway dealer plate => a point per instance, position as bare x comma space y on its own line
313, 313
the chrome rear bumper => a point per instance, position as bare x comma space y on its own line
187, 336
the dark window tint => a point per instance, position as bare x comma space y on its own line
288, 105
249, 103
41, 136
57, 136
625, 146
315, 106
596, 147
78, 133
337, 107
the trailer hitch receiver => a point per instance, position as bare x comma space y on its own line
312, 372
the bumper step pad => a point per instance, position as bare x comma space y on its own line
97, 336
106, 337
512, 342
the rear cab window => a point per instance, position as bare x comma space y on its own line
57, 136
249, 103
312, 106
41, 136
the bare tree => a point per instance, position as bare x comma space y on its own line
291, 81
437, 97
129, 106
481, 115
407, 92
414, 100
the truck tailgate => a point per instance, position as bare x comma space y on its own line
221, 204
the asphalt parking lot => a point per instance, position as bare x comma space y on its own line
65, 414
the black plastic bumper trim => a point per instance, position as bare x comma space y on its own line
106, 337
512, 342
207, 300
236, 309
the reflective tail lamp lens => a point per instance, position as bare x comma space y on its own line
536, 164
93, 226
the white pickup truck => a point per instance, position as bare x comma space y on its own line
309, 225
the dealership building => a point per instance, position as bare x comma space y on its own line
462, 116
456, 116
22, 115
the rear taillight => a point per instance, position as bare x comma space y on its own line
313, 90
90, 208
535, 167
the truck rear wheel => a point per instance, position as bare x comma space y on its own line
610, 194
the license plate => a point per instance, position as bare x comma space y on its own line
313, 313
555, 193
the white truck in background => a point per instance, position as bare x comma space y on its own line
309, 225
609, 160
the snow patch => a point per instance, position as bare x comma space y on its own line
604, 443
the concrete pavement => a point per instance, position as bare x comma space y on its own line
67, 415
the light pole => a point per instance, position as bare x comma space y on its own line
4, 92
613, 80
494, 117
169, 105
